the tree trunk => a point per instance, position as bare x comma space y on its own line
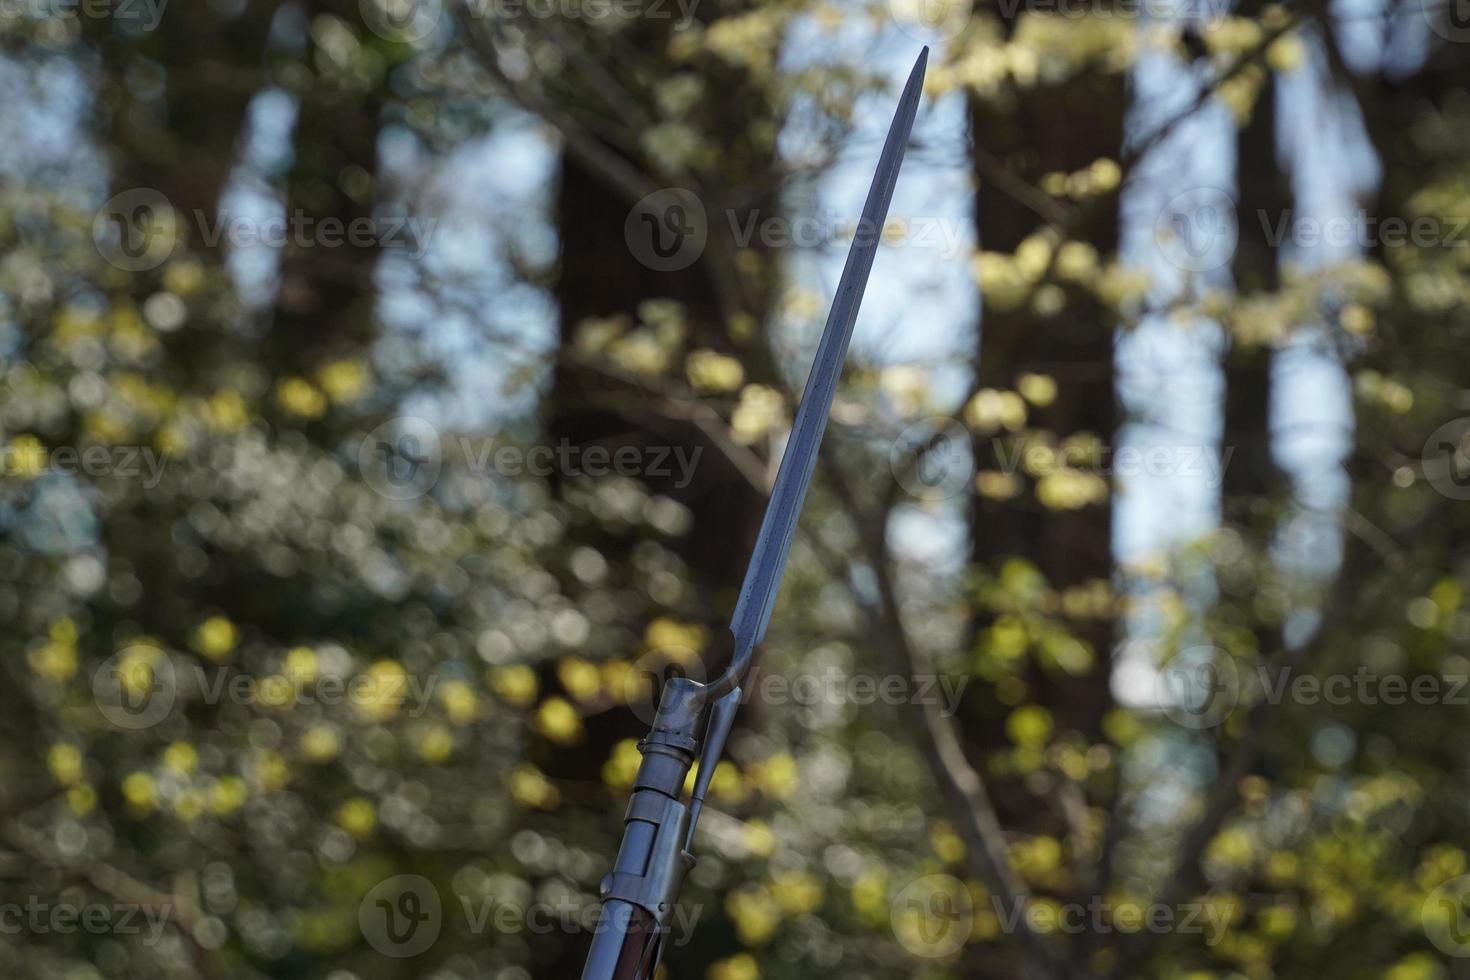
1034, 132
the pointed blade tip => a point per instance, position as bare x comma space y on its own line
763, 573
916, 76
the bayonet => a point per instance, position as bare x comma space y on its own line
695, 719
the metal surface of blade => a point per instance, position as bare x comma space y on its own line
768, 562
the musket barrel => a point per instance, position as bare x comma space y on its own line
623, 933
638, 896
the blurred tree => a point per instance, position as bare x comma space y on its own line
340, 80
1049, 168
172, 101
1048, 175
1263, 197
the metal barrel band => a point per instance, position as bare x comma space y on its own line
657, 888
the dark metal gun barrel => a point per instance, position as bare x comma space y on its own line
624, 933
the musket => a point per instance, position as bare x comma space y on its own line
693, 719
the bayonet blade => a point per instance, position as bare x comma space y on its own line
768, 561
